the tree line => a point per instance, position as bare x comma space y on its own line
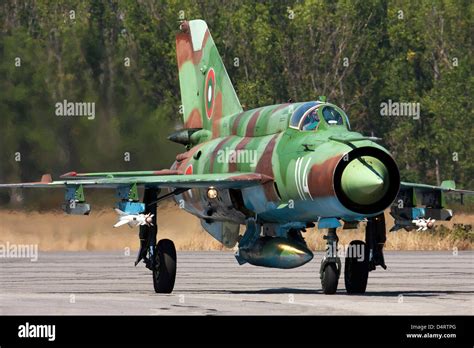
120, 55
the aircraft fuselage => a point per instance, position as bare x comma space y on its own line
327, 171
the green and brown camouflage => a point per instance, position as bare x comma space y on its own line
207, 93
266, 140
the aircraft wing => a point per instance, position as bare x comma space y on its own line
149, 179
447, 186
421, 201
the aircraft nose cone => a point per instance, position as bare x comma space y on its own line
365, 180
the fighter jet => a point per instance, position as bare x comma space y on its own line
278, 170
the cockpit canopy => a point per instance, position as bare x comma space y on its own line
308, 116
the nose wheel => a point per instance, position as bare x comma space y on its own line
330, 278
331, 264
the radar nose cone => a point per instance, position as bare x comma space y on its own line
365, 180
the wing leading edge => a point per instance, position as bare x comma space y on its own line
117, 179
447, 186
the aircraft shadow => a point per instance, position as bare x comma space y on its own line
276, 291
409, 293
416, 293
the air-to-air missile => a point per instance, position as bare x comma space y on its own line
133, 220
424, 224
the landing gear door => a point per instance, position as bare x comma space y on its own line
225, 232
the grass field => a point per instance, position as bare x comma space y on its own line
58, 231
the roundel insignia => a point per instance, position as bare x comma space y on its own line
189, 170
209, 92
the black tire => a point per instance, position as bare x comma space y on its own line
165, 273
329, 279
356, 271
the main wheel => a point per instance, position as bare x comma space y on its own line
330, 278
164, 273
356, 270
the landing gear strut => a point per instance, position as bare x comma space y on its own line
159, 257
331, 264
375, 237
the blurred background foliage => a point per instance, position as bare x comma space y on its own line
357, 53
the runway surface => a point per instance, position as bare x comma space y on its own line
212, 283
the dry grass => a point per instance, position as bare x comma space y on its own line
57, 231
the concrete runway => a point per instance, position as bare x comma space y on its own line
212, 283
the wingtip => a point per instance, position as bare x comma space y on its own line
68, 174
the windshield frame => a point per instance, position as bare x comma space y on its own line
311, 109
301, 112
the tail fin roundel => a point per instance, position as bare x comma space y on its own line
207, 93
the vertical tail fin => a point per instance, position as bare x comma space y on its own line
207, 93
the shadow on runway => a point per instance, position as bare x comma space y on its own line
416, 293
409, 293
276, 291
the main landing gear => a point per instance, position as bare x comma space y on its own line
159, 257
361, 258
164, 272
356, 268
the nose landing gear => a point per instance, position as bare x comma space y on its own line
331, 264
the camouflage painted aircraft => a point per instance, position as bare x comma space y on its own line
277, 170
